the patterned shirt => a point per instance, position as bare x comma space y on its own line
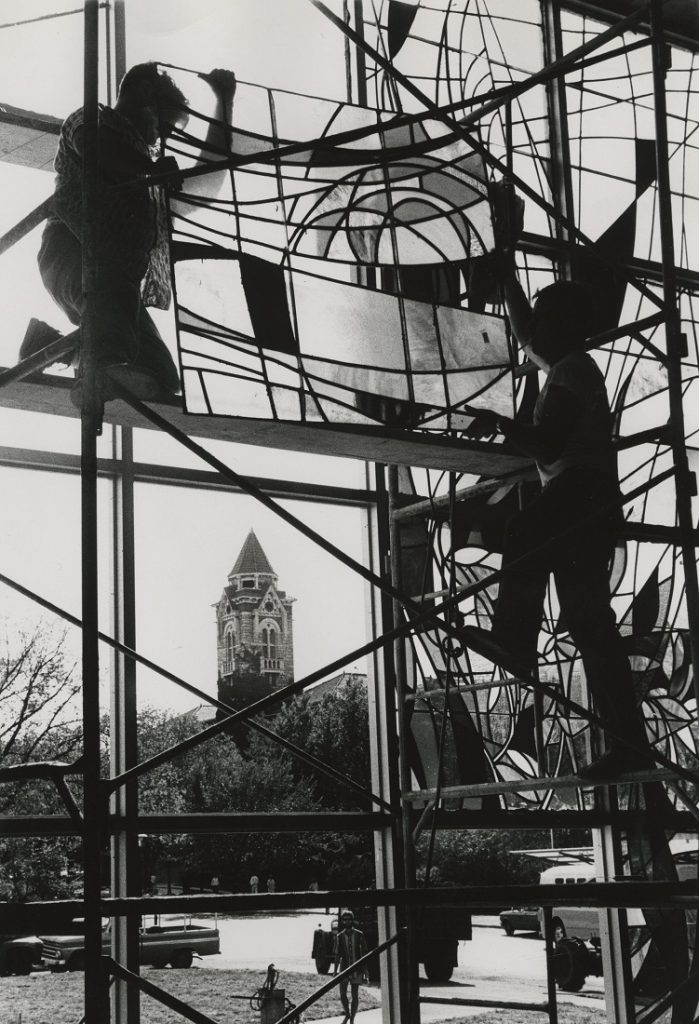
350, 947
132, 227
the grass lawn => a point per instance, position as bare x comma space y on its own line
45, 998
566, 1015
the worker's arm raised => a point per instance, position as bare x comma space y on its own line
217, 143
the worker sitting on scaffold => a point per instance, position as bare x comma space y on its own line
133, 268
571, 527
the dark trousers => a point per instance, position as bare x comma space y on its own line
126, 332
542, 539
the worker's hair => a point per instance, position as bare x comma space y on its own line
570, 309
166, 91
346, 913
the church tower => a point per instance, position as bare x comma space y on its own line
254, 629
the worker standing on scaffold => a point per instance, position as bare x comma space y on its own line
133, 269
571, 527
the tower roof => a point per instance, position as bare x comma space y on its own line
252, 559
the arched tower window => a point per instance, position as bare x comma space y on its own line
229, 651
269, 642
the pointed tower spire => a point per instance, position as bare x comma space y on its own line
252, 560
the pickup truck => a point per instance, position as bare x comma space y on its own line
19, 954
437, 941
173, 943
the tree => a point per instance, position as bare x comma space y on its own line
334, 728
39, 721
486, 857
165, 789
219, 777
260, 780
38, 691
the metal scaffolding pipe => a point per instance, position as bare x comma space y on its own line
96, 989
685, 481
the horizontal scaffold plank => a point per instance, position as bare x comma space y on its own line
493, 1004
537, 785
462, 819
624, 893
351, 821
51, 394
206, 823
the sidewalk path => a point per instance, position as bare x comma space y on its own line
427, 1013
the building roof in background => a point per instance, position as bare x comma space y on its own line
334, 683
206, 713
203, 713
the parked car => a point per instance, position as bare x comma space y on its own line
520, 919
159, 945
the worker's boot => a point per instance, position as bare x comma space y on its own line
37, 337
110, 379
490, 646
618, 760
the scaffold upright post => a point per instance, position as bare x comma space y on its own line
561, 183
685, 482
388, 843
96, 987
125, 865
126, 873
411, 988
